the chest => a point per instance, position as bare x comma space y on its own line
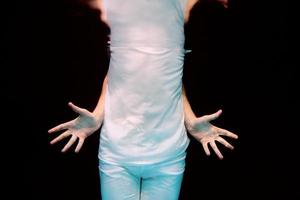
159, 9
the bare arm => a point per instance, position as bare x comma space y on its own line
192, 3
188, 8
189, 115
98, 4
203, 131
99, 109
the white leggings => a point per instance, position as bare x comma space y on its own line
143, 182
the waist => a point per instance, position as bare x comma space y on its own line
146, 44
148, 49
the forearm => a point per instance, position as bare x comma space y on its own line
99, 109
189, 115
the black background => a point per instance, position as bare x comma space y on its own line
55, 52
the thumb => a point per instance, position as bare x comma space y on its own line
213, 116
77, 109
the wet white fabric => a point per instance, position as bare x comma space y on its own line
144, 119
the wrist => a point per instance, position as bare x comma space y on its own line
189, 122
98, 116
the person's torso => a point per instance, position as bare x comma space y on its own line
144, 120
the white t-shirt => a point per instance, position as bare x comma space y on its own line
144, 118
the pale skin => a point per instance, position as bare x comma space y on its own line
88, 122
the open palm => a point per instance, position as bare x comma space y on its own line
79, 128
206, 133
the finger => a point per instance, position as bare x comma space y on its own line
69, 144
216, 150
60, 137
79, 145
206, 149
60, 127
77, 109
225, 143
227, 133
213, 116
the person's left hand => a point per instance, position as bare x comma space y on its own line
206, 133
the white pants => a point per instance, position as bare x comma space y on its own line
143, 182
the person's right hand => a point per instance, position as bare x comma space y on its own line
81, 127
